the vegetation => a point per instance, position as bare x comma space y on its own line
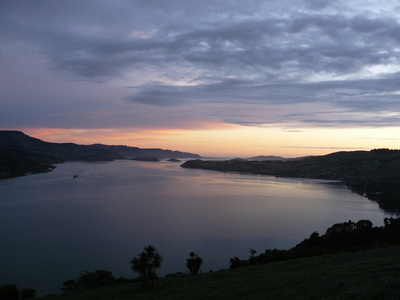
371, 274
146, 264
27, 293
89, 280
193, 263
11, 292
341, 237
375, 173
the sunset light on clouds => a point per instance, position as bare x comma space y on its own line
216, 78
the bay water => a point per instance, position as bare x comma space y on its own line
54, 226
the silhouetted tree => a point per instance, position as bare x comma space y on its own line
252, 253
392, 228
9, 292
145, 264
104, 277
28, 293
193, 263
87, 280
96, 278
236, 262
70, 286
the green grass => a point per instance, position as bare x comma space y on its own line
372, 274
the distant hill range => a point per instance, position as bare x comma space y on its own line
21, 154
272, 158
264, 157
374, 174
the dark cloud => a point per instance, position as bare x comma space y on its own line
363, 95
110, 39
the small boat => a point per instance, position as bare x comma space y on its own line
75, 176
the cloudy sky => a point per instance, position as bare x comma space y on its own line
232, 78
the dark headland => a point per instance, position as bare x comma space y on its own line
21, 154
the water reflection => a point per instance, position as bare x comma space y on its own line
55, 226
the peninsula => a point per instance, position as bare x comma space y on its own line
374, 174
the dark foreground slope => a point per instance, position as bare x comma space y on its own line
21, 154
375, 173
372, 274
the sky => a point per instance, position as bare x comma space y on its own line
212, 77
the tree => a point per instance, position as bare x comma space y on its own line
236, 262
28, 293
9, 292
252, 253
70, 286
193, 263
96, 278
88, 280
145, 264
104, 277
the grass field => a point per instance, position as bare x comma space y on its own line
372, 274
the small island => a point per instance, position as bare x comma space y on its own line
173, 160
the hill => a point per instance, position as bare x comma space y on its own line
21, 154
372, 274
375, 173
266, 157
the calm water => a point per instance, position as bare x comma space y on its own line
53, 226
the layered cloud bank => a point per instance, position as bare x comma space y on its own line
181, 68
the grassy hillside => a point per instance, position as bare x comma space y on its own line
372, 274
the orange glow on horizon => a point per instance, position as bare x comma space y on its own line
232, 141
